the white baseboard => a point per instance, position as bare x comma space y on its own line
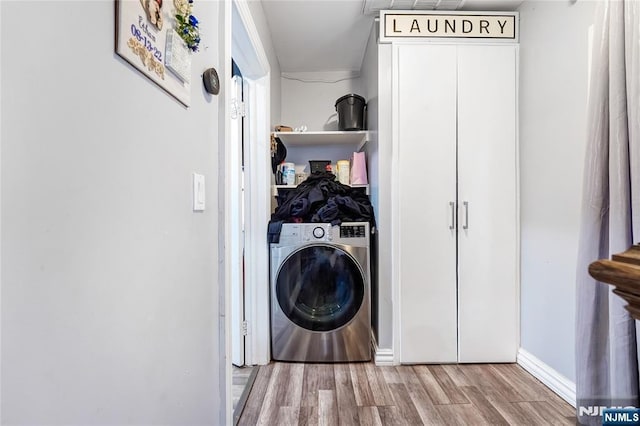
381, 356
384, 357
555, 381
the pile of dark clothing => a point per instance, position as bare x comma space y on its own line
320, 198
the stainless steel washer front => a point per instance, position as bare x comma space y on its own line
320, 285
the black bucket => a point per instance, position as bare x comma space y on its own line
351, 112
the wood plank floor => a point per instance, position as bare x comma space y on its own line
365, 394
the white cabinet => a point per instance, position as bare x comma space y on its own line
456, 177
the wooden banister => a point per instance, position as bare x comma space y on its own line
623, 272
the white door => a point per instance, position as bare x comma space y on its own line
425, 126
487, 234
236, 237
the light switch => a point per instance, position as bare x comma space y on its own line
198, 192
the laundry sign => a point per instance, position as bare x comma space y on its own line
449, 25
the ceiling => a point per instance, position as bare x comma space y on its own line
331, 35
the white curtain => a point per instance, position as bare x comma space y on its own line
606, 344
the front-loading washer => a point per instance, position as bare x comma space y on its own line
320, 285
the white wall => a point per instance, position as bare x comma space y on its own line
311, 102
553, 98
109, 280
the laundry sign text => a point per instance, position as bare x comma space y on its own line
439, 26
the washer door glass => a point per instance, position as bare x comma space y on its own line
320, 288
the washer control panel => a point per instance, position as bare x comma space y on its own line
317, 232
353, 231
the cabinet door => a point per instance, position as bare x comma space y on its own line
425, 126
487, 251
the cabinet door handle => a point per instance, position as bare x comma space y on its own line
466, 215
452, 204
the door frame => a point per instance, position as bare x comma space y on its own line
248, 52
256, 71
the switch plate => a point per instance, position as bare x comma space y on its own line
198, 192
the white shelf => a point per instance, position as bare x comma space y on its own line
298, 139
277, 187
